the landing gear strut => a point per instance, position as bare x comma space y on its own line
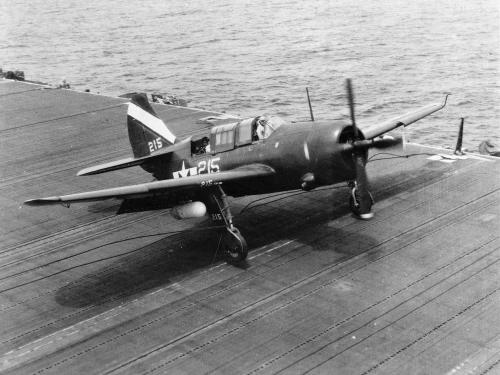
233, 243
354, 202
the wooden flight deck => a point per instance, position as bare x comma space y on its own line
82, 290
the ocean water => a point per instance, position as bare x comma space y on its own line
254, 57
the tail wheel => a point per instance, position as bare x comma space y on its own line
234, 245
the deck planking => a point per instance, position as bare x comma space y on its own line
415, 290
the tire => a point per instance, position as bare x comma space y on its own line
354, 205
235, 247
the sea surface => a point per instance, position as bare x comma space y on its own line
254, 57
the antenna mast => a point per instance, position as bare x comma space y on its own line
310, 107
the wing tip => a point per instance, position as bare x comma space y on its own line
87, 171
42, 201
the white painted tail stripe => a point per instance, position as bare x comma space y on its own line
151, 122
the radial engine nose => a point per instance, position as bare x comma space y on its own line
346, 137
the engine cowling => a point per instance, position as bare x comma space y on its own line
189, 210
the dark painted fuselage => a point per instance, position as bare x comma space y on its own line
293, 151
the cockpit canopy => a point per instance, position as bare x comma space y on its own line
226, 137
257, 128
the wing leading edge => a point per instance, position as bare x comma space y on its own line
158, 187
404, 120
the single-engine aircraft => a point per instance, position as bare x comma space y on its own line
251, 156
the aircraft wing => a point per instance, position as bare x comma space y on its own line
130, 162
159, 187
404, 120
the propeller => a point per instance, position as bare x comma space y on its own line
361, 197
381, 142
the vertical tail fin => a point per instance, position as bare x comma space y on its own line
146, 131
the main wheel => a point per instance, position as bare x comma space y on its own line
353, 202
234, 246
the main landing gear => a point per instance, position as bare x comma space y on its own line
233, 243
354, 202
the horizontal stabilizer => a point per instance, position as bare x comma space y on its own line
130, 162
404, 120
155, 188
111, 166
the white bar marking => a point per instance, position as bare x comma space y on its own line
150, 121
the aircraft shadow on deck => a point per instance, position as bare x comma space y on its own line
170, 259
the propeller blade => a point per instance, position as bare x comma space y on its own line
350, 97
386, 142
361, 193
364, 144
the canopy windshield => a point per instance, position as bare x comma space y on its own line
267, 125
